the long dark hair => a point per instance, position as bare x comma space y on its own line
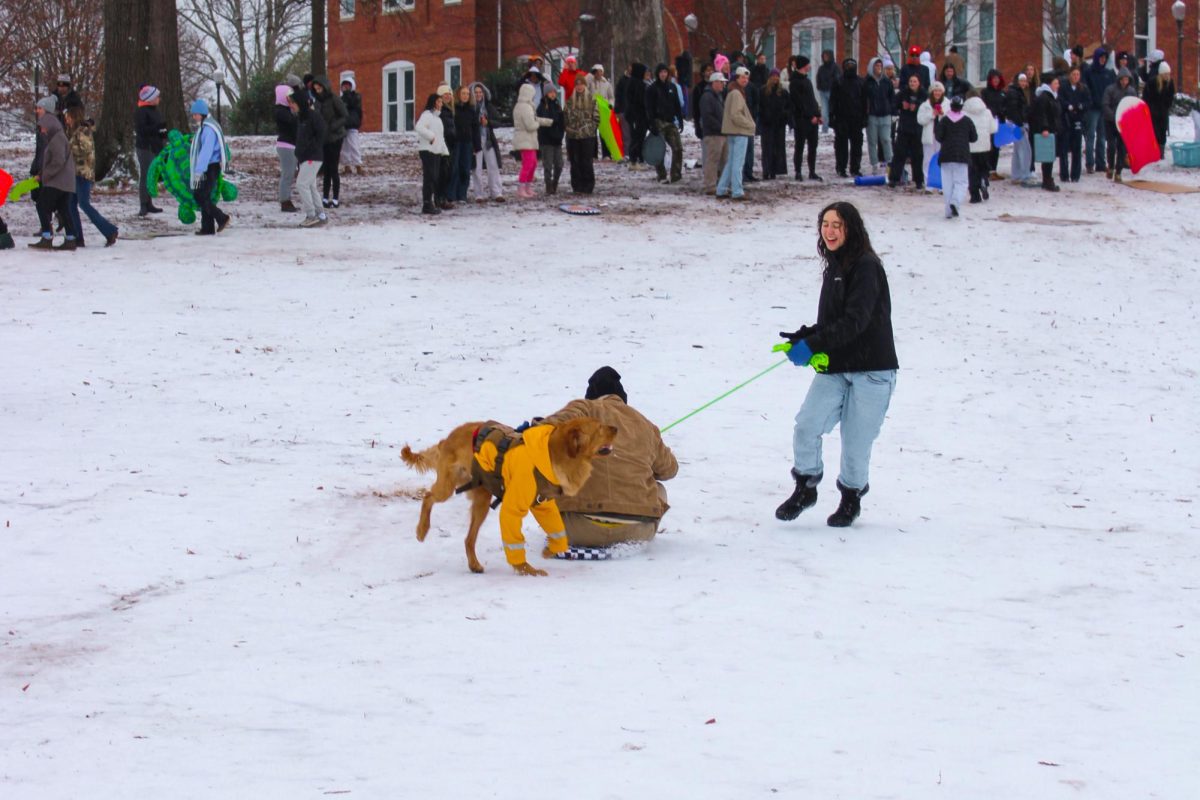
857, 243
431, 101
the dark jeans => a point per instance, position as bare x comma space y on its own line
210, 215
847, 146
581, 153
640, 129
1116, 147
333, 154
748, 164
977, 174
144, 158
1047, 172
83, 199
806, 134
463, 159
1073, 151
993, 158
908, 147
774, 155
441, 191
51, 201
552, 164
431, 165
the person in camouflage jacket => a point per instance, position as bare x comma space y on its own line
83, 151
582, 119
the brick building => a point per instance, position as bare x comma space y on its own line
400, 50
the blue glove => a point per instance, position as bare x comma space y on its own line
800, 354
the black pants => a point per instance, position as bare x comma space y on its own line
908, 147
806, 134
442, 188
431, 167
1070, 165
774, 151
329, 168
748, 164
978, 173
581, 153
993, 158
1047, 173
210, 215
847, 145
52, 202
640, 129
1115, 146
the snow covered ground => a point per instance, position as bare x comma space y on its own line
210, 586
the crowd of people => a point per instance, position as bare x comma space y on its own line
904, 116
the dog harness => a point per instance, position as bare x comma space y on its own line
502, 438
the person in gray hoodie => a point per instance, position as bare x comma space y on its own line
1113, 96
57, 176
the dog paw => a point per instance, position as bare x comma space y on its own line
475, 566
528, 569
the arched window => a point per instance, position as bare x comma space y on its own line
812, 35
399, 96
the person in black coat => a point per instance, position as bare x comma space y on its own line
1045, 119
955, 84
908, 145
776, 113
694, 99
446, 175
913, 66
665, 117
806, 117
993, 98
854, 330
149, 137
827, 76
310, 150
550, 138
635, 111
1075, 101
462, 154
955, 132
1159, 95
848, 109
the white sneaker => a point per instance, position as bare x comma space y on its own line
310, 222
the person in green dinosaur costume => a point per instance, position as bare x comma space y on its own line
172, 166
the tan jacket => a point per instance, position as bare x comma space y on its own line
625, 482
737, 120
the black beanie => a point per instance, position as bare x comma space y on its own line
605, 381
802, 62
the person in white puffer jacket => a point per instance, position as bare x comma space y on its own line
981, 149
935, 106
431, 146
525, 137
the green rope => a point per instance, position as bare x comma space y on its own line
722, 397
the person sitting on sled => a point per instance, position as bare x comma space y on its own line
624, 500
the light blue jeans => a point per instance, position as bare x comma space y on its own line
859, 401
1094, 140
879, 138
824, 111
731, 175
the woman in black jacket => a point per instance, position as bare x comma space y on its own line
1045, 120
550, 138
333, 112
149, 136
854, 331
1160, 96
462, 155
776, 114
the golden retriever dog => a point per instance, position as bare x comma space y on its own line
548, 460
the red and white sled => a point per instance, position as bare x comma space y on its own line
1137, 131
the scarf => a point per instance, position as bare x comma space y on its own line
194, 154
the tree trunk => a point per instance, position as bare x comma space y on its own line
625, 31
141, 45
318, 37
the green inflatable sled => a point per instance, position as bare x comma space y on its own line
173, 169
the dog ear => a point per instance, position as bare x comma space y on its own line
575, 442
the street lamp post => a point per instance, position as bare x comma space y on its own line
692, 23
1179, 10
219, 79
584, 19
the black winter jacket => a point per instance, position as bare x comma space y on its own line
149, 129
332, 110
776, 110
908, 116
635, 96
1045, 114
285, 125
352, 100
914, 69
804, 101
854, 318
1075, 101
1016, 106
551, 134
712, 112
880, 96
466, 123
310, 136
848, 103
955, 138
827, 76
449, 132
662, 103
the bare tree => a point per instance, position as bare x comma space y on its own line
250, 37
47, 37
849, 15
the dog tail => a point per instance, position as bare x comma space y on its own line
422, 461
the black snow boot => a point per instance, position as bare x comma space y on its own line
805, 496
848, 510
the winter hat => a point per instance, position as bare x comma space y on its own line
802, 62
1164, 68
774, 73
293, 80
199, 107
1157, 55
720, 63
535, 70
148, 94
914, 51
597, 68
887, 62
1078, 51
604, 381
550, 89
740, 71
64, 79
570, 59
717, 77
443, 89
937, 85
48, 104
1124, 72
956, 103
849, 62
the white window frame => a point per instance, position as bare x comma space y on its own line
452, 2
398, 6
816, 26
759, 36
884, 14
342, 15
446, 67
555, 58
400, 68
974, 69
1151, 37
1050, 53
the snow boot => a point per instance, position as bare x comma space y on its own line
805, 496
850, 507
6, 241
288, 206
